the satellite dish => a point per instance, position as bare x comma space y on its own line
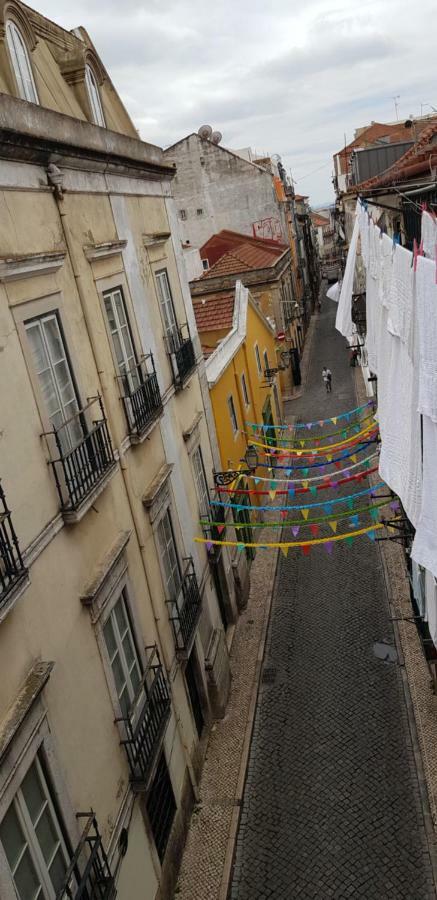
216, 137
205, 132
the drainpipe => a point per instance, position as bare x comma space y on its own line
156, 613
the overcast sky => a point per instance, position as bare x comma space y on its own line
280, 76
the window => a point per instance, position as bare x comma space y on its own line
277, 406
266, 360
21, 63
200, 481
182, 214
258, 360
166, 303
121, 338
199, 212
245, 391
52, 367
123, 656
169, 557
32, 839
233, 414
94, 97
161, 807
205, 264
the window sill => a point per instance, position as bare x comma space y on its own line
139, 438
74, 516
19, 588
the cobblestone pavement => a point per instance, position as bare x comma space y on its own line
332, 807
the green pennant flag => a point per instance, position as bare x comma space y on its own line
374, 515
350, 503
349, 540
313, 489
366, 463
305, 472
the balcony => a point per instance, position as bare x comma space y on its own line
83, 459
12, 569
141, 398
181, 352
88, 876
146, 728
185, 611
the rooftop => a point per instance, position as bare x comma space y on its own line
215, 313
417, 161
229, 252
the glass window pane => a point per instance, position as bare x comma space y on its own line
26, 880
33, 793
47, 835
120, 616
109, 636
119, 678
54, 339
125, 703
57, 870
39, 354
119, 305
12, 837
110, 313
128, 650
135, 678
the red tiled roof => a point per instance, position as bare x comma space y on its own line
214, 313
417, 160
243, 259
319, 220
226, 240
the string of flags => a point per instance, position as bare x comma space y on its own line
314, 451
318, 422
344, 454
326, 504
297, 524
257, 479
344, 431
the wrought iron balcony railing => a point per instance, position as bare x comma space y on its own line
12, 568
181, 351
185, 610
146, 727
85, 455
141, 398
88, 876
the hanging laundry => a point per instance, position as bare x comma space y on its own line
426, 303
424, 549
401, 292
343, 321
429, 234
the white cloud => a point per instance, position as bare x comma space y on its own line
284, 77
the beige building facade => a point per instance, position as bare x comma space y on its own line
113, 653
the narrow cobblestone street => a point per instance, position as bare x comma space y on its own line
332, 806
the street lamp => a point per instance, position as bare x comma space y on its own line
251, 460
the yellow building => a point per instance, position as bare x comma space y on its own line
239, 346
113, 655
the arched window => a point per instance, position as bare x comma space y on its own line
94, 97
21, 63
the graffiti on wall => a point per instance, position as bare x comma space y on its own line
268, 228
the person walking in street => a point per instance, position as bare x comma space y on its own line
327, 379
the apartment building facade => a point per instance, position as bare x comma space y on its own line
113, 658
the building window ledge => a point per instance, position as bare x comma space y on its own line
156, 239
157, 493
103, 250
14, 595
17, 712
107, 573
13, 268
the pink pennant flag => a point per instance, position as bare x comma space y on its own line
220, 528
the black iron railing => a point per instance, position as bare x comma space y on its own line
88, 876
185, 610
141, 398
83, 462
145, 729
181, 352
12, 568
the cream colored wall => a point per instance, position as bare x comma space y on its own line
48, 621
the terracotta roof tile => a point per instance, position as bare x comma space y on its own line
244, 258
226, 240
214, 313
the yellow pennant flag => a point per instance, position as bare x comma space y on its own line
302, 443
272, 495
333, 526
305, 513
334, 420
353, 458
305, 484
298, 452
285, 550
329, 457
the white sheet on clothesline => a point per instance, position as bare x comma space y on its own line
426, 300
424, 549
343, 321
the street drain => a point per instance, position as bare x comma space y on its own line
386, 652
269, 676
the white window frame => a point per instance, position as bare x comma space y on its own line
167, 513
34, 736
246, 397
28, 829
166, 304
72, 433
22, 67
258, 359
233, 415
94, 98
266, 358
200, 481
127, 367
133, 692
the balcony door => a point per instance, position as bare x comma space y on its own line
121, 339
169, 558
167, 310
52, 367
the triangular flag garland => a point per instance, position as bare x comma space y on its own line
354, 519
348, 499
370, 532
